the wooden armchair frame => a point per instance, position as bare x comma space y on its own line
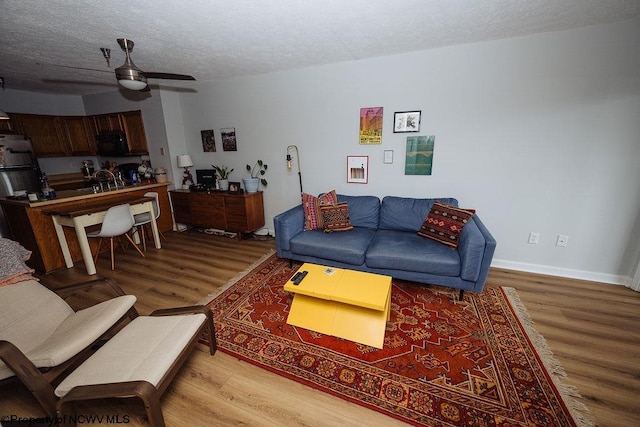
143, 390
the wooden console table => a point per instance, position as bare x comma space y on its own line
238, 213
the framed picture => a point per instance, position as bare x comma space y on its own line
208, 140
228, 139
406, 121
234, 187
419, 157
358, 169
371, 125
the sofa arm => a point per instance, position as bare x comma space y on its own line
287, 225
489, 248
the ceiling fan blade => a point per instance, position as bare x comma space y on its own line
74, 68
169, 76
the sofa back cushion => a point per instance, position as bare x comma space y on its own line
407, 214
364, 211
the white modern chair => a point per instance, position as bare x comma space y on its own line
117, 222
140, 220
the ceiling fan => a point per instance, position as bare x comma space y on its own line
128, 74
132, 77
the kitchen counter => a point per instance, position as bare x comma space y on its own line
34, 229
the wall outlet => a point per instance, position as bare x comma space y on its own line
162, 151
534, 238
562, 240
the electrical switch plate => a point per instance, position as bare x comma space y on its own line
562, 240
534, 238
162, 151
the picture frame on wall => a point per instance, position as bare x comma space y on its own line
358, 169
419, 155
406, 121
371, 125
229, 142
208, 141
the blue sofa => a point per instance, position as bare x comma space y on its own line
385, 241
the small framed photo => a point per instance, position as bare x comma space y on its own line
234, 187
358, 169
406, 121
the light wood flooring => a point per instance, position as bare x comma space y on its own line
592, 328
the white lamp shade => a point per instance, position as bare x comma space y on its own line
184, 161
132, 84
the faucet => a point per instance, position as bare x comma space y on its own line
110, 177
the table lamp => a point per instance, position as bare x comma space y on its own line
184, 161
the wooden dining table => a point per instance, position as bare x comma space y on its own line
81, 217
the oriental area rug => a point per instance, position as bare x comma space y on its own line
476, 362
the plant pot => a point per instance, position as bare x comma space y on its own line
251, 184
224, 184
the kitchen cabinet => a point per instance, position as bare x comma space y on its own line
108, 123
58, 136
11, 126
134, 129
44, 133
79, 134
239, 213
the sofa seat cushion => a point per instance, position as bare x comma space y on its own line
349, 247
402, 250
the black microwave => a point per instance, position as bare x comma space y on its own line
112, 144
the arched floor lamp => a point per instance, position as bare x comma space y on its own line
289, 158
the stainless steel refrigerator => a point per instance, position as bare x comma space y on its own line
19, 172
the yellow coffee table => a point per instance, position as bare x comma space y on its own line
343, 303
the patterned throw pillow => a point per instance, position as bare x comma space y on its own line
336, 217
444, 223
311, 205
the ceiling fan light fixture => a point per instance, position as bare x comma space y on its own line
132, 84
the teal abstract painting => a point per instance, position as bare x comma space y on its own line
419, 158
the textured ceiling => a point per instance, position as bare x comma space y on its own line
222, 39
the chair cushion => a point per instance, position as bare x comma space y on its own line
143, 351
79, 330
46, 329
29, 314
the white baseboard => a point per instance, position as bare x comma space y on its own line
561, 272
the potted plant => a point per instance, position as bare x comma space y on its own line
256, 172
223, 176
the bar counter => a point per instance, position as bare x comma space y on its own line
34, 229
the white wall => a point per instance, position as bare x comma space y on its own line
538, 133
17, 101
